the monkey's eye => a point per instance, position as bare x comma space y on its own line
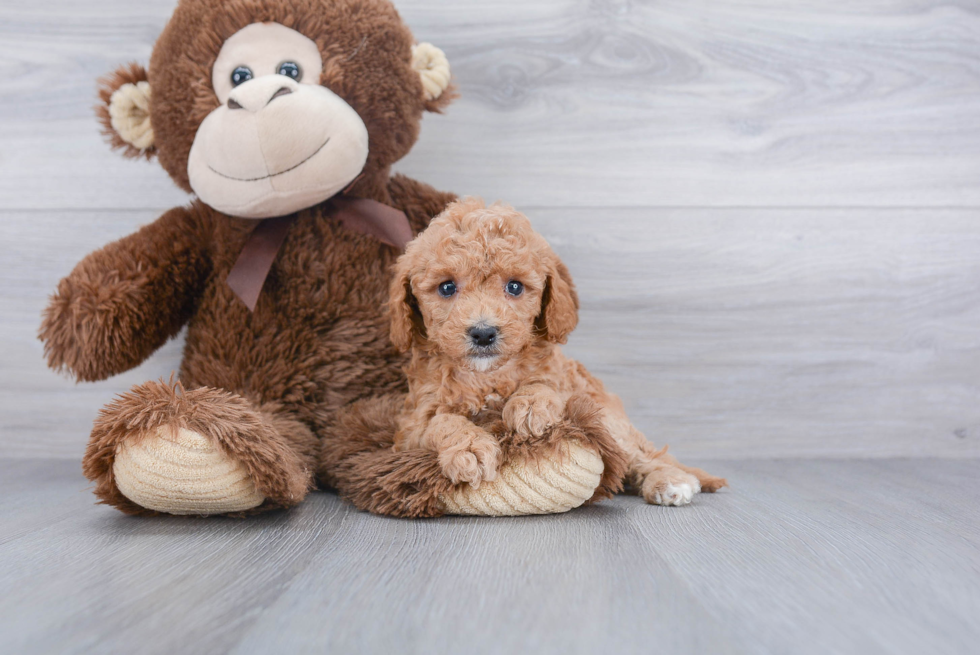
515, 288
241, 75
290, 69
447, 289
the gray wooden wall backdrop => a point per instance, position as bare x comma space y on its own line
770, 206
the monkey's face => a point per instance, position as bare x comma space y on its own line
279, 141
266, 107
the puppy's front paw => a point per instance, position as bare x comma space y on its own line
532, 414
470, 457
670, 486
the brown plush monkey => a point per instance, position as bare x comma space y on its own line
284, 118
262, 108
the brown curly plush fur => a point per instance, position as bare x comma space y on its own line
358, 459
260, 384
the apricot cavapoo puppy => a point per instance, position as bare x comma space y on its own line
483, 302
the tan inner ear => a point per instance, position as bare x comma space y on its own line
433, 69
129, 112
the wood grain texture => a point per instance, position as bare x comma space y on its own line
729, 333
798, 556
782, 332
580, 103
43, 413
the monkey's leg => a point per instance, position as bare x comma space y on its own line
161, 448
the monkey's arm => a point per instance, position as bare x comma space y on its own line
124, 301
420, 202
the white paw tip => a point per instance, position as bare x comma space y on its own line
676, 494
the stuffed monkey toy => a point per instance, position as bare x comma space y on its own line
284, 118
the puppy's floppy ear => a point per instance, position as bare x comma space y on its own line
559, 304
403, 308
433, 68
125, 111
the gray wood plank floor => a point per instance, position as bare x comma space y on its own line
799, 556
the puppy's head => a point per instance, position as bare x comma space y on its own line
479, 285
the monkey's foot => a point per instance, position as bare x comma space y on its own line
546, 486
179, 471
162, 448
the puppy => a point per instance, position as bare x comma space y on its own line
482, 302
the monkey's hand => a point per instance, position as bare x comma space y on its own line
124, 301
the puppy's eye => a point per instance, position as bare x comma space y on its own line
447, 289
515, 288
290, 69
241, 75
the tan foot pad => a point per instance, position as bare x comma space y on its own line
550, 487
182, 473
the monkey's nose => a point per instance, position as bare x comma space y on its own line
483, 335
258, 93
281, 92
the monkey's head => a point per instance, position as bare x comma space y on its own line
266, 107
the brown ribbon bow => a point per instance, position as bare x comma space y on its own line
370, 217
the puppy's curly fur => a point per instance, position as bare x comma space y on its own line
482, 303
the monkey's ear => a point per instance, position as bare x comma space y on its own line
433, 68
124, 111
559, 304
406, 318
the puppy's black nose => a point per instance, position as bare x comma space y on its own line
483, 336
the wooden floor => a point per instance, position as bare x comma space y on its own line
799, 556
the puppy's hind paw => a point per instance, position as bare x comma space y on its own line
673, 489
677, 495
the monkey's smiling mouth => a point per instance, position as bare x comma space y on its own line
266, 177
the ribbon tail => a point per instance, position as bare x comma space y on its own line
248, 275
